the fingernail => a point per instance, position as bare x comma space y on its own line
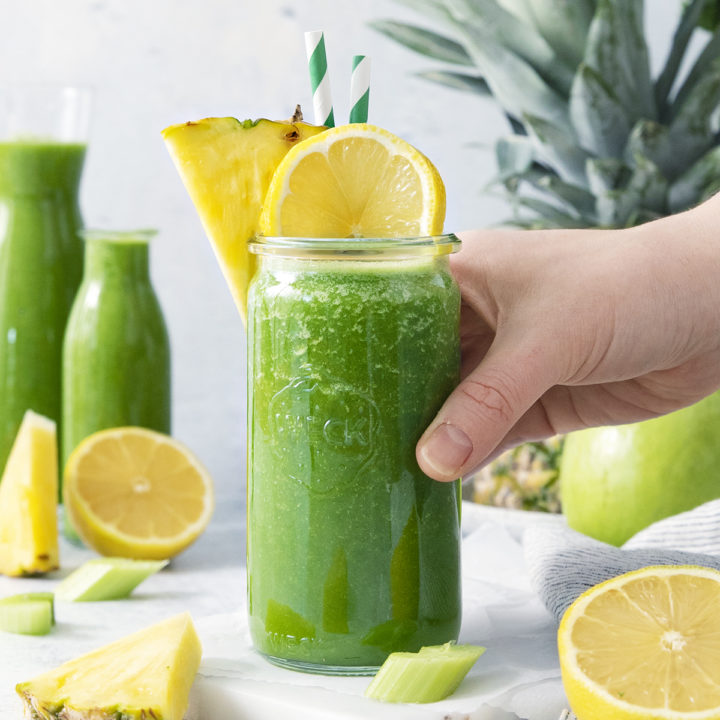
446, 450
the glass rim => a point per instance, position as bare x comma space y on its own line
141, 235
45, 112
355, 248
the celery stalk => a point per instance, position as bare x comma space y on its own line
106, 578
23, 597
429, 675
26, 615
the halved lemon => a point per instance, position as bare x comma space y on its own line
645, 645
355, 180
132, 492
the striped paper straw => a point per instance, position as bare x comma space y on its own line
319, 78
360, 89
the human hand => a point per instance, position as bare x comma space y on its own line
568, 329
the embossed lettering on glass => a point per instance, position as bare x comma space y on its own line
353, 553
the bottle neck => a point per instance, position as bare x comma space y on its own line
117, 261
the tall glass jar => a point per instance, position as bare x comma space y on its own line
353, 552
116, 356
42, 150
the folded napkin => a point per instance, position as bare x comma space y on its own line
563, 563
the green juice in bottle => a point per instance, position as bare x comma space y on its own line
116, 354
41, 259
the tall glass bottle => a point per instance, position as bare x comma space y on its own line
116, 356
42, 150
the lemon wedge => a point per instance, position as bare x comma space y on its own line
355, 180
136, 493
645, 645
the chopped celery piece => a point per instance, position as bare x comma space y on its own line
106, 578
23, 597
27, 614
426, 676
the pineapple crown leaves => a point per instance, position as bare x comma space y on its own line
710, 16
596, 140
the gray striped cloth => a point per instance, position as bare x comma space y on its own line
563, 563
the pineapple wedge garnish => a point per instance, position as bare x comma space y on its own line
227, 166
144, 676
28, 500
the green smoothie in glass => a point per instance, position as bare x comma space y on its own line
40, 270
116, 357
353, 345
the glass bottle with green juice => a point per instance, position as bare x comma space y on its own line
353, 552
42, 151
116, 356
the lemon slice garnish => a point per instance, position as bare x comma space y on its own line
355, 180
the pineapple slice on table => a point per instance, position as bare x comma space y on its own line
28, 500
144, 676
226, 166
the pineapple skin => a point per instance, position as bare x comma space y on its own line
36, 711
45, 713
163, 659
226, 166
28, 501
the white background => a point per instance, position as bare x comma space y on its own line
157, 62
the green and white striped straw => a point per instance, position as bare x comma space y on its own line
319, 78
360, 89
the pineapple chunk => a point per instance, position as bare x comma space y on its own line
227, 166
28, 500
145, 675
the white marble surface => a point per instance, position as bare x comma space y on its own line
518, 677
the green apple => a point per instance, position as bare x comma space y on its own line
617, 480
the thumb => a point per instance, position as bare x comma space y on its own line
483, 409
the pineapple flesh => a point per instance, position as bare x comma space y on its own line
144, 676
28, 500
226, 166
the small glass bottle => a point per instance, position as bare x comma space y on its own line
116, 353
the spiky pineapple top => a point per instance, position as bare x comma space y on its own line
597, 141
